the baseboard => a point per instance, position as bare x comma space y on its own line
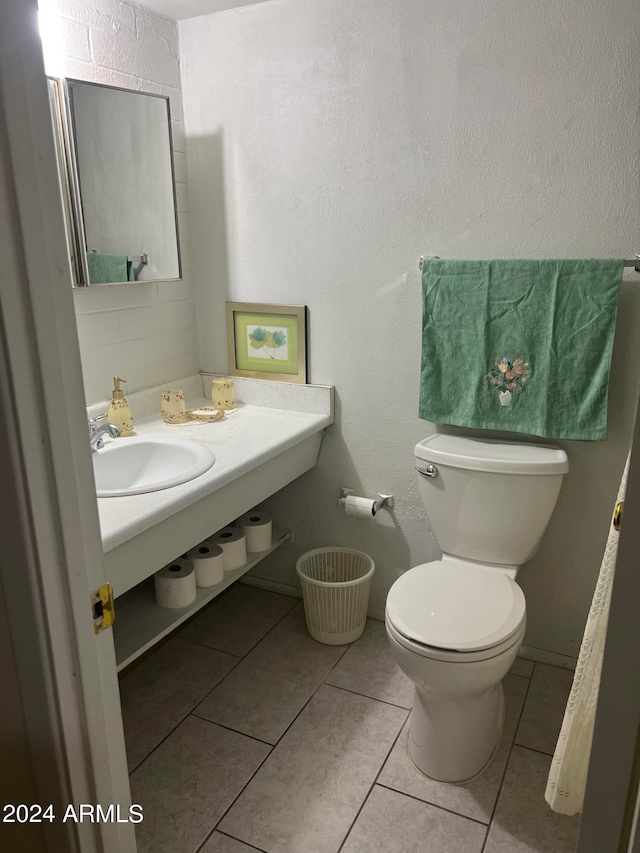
272, 586
377, 612
286, 589
543, 656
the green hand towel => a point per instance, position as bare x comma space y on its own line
519, 345
108, 268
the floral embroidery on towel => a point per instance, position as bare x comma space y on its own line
508, 376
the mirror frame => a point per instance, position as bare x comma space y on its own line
70, 181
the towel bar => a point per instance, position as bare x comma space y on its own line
634, 263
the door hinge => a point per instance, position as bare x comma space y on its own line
102, 608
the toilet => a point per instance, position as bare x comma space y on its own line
455, 625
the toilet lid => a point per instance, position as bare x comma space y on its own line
456, 605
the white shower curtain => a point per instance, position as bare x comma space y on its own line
568, 773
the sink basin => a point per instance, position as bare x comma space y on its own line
133, 466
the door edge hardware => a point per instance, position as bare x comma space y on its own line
102, 608
617, 515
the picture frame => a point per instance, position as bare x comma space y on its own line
267, 341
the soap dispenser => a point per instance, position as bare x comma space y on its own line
119, 412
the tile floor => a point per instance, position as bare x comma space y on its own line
244, 734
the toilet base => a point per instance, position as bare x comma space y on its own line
453, 739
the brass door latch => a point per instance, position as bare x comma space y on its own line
102, 608
617, 515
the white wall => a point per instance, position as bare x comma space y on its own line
331, 144
145, 332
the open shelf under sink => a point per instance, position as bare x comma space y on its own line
140, 622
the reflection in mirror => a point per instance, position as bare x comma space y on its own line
120, 184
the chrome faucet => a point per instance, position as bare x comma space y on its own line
97, 433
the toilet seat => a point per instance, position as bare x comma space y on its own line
446, 656
454, 609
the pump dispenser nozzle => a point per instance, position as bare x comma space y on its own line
117, 394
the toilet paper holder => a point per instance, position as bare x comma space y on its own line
382, 500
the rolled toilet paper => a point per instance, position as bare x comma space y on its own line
208, 561
362, 507
234, 547
176, 584
257, 528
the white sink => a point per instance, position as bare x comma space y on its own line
135, 465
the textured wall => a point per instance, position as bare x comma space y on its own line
332, 143
144, 332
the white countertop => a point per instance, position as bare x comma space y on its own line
241, 442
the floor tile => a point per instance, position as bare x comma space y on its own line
187, 784
271, 685
163, 689
298, 610
393, 823
368, 668
544, 709
475, 799
523, 822
236, 621
219, 843
522, 667
308, 792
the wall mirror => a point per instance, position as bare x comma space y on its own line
116, 174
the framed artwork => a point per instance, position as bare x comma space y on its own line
267, 341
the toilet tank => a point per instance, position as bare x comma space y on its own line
489, 500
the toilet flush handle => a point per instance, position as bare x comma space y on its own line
429, 471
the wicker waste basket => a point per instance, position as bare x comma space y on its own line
335, 588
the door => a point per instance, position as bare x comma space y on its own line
51, 556
609, 820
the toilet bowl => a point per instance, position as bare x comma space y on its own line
455, 625
456, 645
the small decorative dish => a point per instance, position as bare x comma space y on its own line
207, 414
192, 417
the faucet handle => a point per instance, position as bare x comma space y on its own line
92, 423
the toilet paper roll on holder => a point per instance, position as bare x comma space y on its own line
382, 500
